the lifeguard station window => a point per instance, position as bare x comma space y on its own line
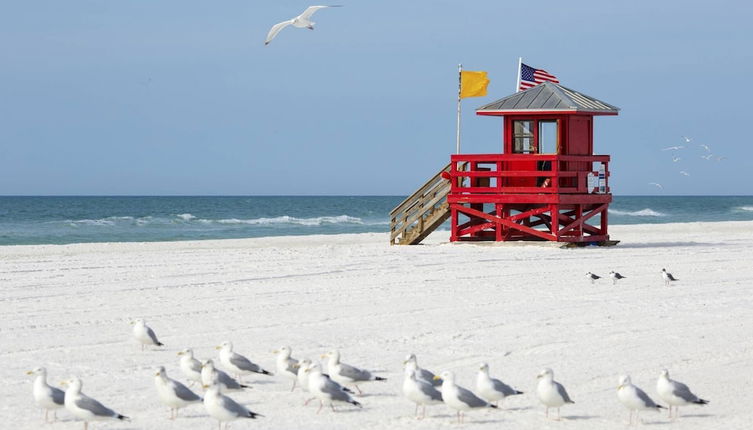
523, 138
547, 138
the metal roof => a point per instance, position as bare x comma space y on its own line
548, 97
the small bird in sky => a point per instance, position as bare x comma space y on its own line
673, 148
301, 21
687, 139
657, 185
706, 147
707, 157
684, 173
720, 158
676, 159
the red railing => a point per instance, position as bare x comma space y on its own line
526, 174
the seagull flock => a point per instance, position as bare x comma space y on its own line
616, 276
335, 387
708, 156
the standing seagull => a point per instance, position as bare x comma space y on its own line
490, 389
173, 394
223, 408
459, 398
592, 277
347, 374
667, 277
301, 21
210, 375
190, 366
286, 365
303, 377
411, 364
420, 392
615, 276
634, 398
550, 392
86, 408
47, 397
144, 334
676, 393
327, 390
237, 363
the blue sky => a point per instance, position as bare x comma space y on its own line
182, 97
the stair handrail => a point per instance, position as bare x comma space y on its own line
405, 215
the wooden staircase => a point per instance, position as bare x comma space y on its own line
421, 213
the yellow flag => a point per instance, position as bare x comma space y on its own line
473, 84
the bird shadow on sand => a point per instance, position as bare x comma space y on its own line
343, 411
259, 382
696, 416
365, 395
522, 408
666, 244
481, 421
578, 417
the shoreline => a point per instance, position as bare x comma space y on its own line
437, 237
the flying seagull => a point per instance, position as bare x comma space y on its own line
676, 159
673, 148
301, 21
706, 147
687, 139
684, 173
657, 185
707, 157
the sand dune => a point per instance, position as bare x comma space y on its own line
519, 308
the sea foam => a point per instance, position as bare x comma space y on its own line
289, 220
642, 212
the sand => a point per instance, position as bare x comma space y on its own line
519, 308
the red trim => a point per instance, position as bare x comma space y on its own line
541, 112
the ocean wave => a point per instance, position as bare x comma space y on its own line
744, 208
95, 222
642, 212
187, 218
109, 221
289, 220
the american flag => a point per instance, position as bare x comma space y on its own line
530, 77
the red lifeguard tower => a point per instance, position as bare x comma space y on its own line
545, 185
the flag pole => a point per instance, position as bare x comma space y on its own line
460, 85
517, 83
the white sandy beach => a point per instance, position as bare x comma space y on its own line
519, 308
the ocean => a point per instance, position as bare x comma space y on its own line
63, 220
